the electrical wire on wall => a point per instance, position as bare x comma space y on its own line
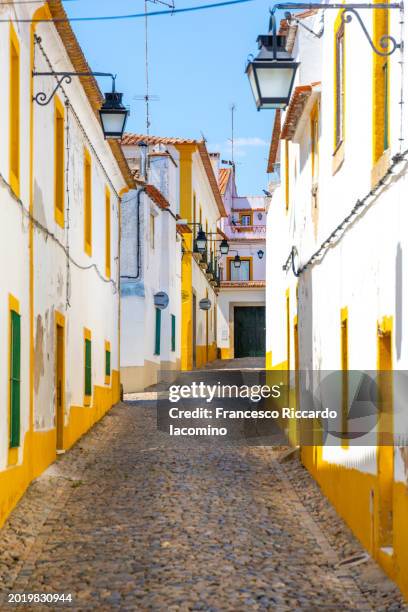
40, 226
355, 213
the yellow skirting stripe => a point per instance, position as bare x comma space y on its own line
350, 492
40, 446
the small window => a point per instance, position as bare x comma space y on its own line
59, 168
158, 332
107, 363
243, 273
15, 379
14, 111
173, 333
88, 367
386, 119
245, 219
152, 230
287, 175
339, 87
314, 143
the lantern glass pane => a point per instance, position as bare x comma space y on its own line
252, 81
113, 123
275, 82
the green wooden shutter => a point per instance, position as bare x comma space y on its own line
107, 363
15, 379
88, 367
173, 332
158, 332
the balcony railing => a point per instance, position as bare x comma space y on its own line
250, 229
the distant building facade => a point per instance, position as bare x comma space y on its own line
241, 300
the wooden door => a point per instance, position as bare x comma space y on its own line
249, 331
60, 384
385, 455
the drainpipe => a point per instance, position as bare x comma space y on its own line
138, 258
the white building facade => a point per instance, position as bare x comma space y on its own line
241, 299
61, 185
339, 187
150, 266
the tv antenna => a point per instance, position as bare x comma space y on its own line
147, 97
232, 109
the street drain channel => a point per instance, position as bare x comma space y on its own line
353, 560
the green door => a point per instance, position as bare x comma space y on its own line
249, 331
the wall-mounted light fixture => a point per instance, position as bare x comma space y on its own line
272, 73
224, 247
260, 254
237, 261
113, 114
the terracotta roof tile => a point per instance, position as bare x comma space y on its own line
298, 102
135, 139
205, 158
157, 196
223, 178
273, 151
243, 284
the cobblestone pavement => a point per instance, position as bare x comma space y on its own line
128, 521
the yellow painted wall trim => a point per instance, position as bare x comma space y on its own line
108, 349
339, 129
14, 114
40, 447
14, 306
87, 336
59, 162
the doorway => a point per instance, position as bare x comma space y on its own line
385, 454
60, 382
249, 331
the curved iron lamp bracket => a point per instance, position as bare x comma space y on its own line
348, 12
385, 41
41, 97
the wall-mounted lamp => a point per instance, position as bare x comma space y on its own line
237, 261
113, 114
272, 73
224, 247
201, 241
260, 254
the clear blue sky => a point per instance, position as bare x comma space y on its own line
197, 63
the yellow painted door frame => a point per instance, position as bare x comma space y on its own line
59, 378
385, 446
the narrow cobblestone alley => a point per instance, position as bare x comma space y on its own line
127, 521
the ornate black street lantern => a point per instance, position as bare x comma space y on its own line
113, 115
224, 247
237, 261
272, 73
201, 241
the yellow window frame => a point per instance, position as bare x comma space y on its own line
14, 114
59, 162
339, 87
